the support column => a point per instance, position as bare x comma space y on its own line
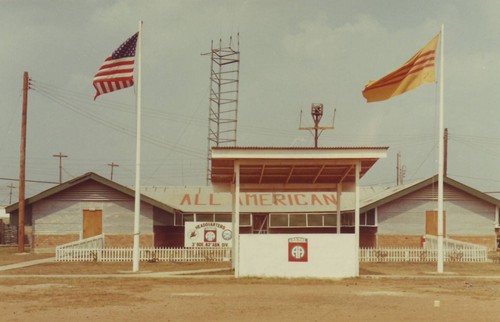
339, 208
356, 215
236, 219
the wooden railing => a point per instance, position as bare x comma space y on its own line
432, 241
70, 249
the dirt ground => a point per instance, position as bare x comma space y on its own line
380, 294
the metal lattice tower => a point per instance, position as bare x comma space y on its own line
223, 100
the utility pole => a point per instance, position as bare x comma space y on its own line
112, 165
22, 171
60, 156
400, 170
11, 186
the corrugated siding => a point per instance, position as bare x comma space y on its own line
431, 192
62, 212
465, 214
91, 191
64, 217
58, 217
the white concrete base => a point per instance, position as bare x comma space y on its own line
327, 256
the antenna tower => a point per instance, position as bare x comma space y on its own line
223, 100
317, 114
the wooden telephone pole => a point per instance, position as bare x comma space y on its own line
11, 186
22, 171
60, 156
112, 165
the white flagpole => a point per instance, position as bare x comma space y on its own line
440, 247
137, 206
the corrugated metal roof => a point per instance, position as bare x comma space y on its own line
85, 178
298, 148
291, 168
397, 192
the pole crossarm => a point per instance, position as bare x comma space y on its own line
60, 156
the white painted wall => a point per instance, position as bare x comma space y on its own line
66, 217
465, 215
3, 214
205, 199
329, 256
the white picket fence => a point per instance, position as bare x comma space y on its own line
422, 255
99, 254
93, 249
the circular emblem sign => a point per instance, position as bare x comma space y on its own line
227, 234
298, 252
210, 236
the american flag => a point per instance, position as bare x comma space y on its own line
117, 72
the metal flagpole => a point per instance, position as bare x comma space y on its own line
137, 206
236, 220
357, 172
441, 158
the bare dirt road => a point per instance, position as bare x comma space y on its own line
227, 299
462, 294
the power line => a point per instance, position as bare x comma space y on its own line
116, 126
33, 181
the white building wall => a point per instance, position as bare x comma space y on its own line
402, 217
118, 218
66, 217
329, 256
465, 215
58, 218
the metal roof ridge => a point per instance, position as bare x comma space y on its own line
297, 148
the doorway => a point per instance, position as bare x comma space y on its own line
431, 223
92, 223
260, 223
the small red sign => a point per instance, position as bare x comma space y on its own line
297, 249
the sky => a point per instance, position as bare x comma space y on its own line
293, 53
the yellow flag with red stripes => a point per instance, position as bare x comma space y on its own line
420, 69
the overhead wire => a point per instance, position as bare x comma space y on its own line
73, 101
66, 102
